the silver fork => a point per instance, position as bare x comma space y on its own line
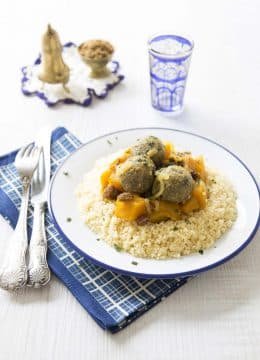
13, 274
38, 270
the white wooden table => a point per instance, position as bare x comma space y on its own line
217, 315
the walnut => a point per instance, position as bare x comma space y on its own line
110, 192
125, 196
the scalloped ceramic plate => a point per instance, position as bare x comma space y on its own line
63, 204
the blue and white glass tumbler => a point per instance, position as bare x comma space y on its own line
169, 66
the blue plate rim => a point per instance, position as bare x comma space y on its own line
155, 276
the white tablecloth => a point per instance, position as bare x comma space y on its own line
216, 316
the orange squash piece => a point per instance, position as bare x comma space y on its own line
168, 150
166, 210
108, 177
197, 165
130, 210
198, 199
114, 181
200, 193
191, 205
105, 178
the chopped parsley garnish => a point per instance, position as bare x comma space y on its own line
65, 173
134, 263
69, 219
117, 247
97, 239
201, 252
109, 142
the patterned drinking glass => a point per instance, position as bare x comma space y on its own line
169, 65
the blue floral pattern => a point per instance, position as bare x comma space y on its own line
169, 65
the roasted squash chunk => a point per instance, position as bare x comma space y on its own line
114, 181
168, 150
105, 178
132, 209
198, 199
197, 165
191, 205
200, 193
108, 177
166, 210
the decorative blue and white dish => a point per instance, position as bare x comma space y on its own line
82, 88
85, 241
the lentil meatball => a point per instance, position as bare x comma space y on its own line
136, 174
173, 183
152, 147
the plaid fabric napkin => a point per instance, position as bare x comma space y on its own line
113, 300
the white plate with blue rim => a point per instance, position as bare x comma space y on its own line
63, 205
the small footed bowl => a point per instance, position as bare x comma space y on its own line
98, 67
96, 54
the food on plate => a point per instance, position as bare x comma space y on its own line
156, 202
130, 208
152, 147
173, 183
136, 174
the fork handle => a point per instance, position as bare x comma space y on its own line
13, 274
38, 270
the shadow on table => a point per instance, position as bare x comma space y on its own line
207, 297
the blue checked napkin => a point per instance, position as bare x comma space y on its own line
113, 300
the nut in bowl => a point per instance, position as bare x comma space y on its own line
96, 54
